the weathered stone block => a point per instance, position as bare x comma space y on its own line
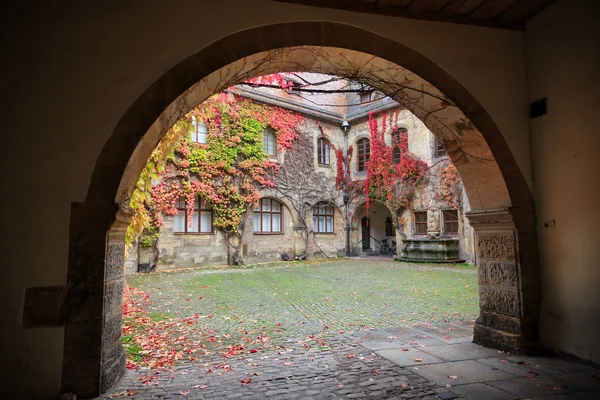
499, 247
115, 260
113, 297
84, 339
81, 376
500, 273
498, 300
500, 322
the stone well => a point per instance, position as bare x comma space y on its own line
430, 250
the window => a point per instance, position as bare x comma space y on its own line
364, 151
440, 151
199, 131
396, 152
323, 149
269, 145
389, 227
450, 222
268, 216
420, 222
365, 97
201, 219
323, 218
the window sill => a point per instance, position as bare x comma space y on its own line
193, 233
268, 233
324, 165
324, 233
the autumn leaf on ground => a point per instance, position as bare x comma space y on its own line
453, 377
200, 386
417, 359
246, 381
447, 337
404, 386
375, 372
559, 387
184, 392
117, 395
350, 356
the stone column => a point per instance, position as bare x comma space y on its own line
501, 323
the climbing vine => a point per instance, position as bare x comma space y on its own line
228, 170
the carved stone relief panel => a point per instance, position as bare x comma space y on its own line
498, 300
499, 247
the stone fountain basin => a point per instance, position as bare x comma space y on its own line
430, 250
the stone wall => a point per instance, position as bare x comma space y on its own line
203, 250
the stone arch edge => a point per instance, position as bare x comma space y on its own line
94, 288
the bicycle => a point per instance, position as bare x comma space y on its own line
387, 248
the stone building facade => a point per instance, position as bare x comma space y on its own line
327, 218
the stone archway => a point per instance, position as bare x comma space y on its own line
501, 200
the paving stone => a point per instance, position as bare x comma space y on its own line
593, 395
461, 351
468, 371
477, 391
407, 358
536, 387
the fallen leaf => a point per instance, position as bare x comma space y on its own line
184, 392
404, 386
200, 386
453, 377
417, 359
246, 381
117, 395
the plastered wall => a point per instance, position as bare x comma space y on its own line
71, 70
563, 58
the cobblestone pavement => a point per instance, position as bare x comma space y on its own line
354, 328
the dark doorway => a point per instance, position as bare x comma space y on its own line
366, 233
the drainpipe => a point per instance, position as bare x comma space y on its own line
346, 128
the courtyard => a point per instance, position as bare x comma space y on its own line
367, 328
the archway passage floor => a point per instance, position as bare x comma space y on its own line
347, 328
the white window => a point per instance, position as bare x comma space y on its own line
323, 218
268, 216
269, 145
201, 220
199, 131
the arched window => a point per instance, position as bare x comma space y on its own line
201, 221
269, 144
396, 151
389, 227
323, 218
364, 152
323, 150
268, 216
199, 131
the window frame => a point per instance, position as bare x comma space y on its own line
454, 213
316, 212
365, 97
363, 158
197, 200
439, 150
322, 158
420, 223
396, 154
269, 131
195, 134
270, 211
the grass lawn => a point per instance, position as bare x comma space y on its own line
282, 305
